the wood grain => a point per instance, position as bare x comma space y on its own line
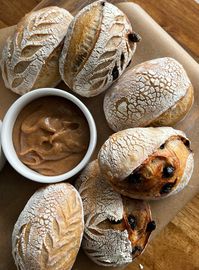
177, 245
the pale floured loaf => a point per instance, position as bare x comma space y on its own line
98, 47
117, 229
154, 93
49, 230
147, 163
30, 56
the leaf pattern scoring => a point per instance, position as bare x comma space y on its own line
27, 51
48, 232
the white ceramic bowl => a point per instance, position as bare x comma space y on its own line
7, 129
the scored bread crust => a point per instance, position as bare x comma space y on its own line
49, 230
177, 112
105, 245
30, 56
156, 92
95, 44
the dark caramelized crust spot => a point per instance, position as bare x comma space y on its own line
132, 222
151, 226
115, 222
134, 37
136, 249
167, 188
115, 73
168, 171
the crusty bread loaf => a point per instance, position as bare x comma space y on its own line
147, 163
117, 229
154, 93
30, 56
98, 47
49, 230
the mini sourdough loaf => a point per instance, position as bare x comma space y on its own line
30, 56
155, 93
98, 47
48, 232
117, 229
147, 163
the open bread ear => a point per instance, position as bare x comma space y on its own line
117, 229
30, 58
133, 162
98, 47
154, 93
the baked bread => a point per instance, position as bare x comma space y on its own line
147, 163
30, 56
98, 47
155, 93
49, 230
117, 229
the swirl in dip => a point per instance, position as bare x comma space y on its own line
51, 135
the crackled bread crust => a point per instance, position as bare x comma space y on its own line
154, 93
98, 47
117, 229
30, 56
49, 230
133, 162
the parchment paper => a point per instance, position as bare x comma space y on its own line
15, 190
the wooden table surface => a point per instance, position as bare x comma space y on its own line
177, 246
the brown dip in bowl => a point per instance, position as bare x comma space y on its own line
51, 135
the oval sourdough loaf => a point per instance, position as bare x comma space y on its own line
117, 229
30, 56
147, 163
49, 230
155, 93
98, 47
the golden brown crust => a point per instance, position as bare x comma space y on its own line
46, 71
82, 43
176, 113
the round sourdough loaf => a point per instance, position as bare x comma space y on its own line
30, 56
98, 47
147, 163
117, 229
49, 230
154, 93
